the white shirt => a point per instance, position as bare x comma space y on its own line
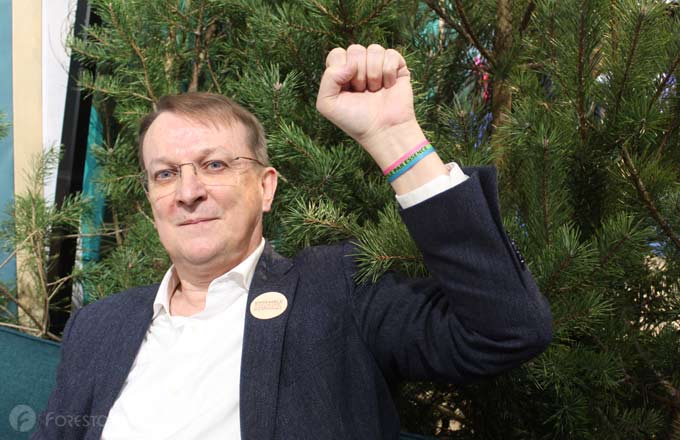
184, 382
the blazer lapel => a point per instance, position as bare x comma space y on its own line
263, 346
119, 356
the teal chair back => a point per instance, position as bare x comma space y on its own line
27, 372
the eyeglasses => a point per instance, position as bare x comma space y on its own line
213, 172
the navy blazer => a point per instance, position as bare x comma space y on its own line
325, 368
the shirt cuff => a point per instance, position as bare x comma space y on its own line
435, 186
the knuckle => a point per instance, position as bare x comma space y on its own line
375, 48
336, 51
392, 55
374, 75
335, 54
356, 49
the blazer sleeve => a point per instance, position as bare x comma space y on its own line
479, 314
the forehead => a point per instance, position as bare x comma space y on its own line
176, 137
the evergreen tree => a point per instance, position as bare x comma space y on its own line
576, 103
26, 230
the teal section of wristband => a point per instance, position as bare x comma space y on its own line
409, 163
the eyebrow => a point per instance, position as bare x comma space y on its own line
202, 154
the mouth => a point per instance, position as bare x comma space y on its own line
196, 221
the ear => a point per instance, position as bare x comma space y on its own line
269, 181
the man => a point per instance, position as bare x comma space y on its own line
239, 342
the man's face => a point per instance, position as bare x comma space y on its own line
211, 226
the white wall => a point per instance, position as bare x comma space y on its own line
57, 26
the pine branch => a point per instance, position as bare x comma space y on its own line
333, 225
58, 286
40, 325
580, 93
672, 127
673, 398
544, 192
300, 61
334, 18
462, 30
7, 311
169, 62
299, 149
555, 275
178, 12
309, 30
213, 76
629, 63
501, 103
197, 61
526, 17
374, 13
396, 258
557, 324
469, 32
116, 226
93, 33
9, 257
200, 47
38, 248
373, 266
646, 198
17, 326
675, 426
95, 234
610, 253
141, 211
108, 92
464, 126
125, 35
668, 74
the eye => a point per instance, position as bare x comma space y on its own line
164, 175
215, 165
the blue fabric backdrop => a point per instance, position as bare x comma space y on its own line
7, 273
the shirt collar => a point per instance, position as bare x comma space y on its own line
242, 275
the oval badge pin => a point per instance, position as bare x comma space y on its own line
268, 305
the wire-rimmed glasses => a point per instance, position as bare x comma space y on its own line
162, 180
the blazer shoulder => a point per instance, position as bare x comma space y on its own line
336, 260
114, 310
328, 254
121, 301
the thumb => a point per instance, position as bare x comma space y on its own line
334, 80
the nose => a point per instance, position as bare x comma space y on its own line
189, 188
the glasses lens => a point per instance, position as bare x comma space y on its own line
214, 173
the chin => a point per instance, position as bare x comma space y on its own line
203, 253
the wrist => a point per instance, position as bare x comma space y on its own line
389, 145
425, 170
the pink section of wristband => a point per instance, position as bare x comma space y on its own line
405, 156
